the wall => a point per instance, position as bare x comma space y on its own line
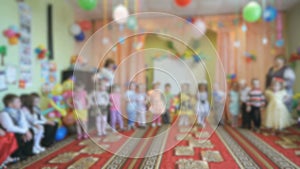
62, 41
293, 34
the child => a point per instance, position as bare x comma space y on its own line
234, 104
168, 99
34, 123
255, 103
50, 127
81, 107
131, 105
141, 99
115, 108
13, 120
277, 115
157, 106
185, 107
202, 106
218, 106
244, 91
8, 144
100, 101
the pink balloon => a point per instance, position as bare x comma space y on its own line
9, 33
85, 25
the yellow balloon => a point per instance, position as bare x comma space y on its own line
57, 90
13, 40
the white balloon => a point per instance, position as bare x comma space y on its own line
237, 44
120, 14
75, 29
265, 40
201, 26
105, 41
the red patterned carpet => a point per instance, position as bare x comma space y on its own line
226, 148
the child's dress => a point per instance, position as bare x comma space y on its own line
131, 107
185, 109
202, 107
80, 105
277, 115
157, 106
141, 108
115, 108
234, 107
101, 103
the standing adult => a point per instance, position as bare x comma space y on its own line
281, 70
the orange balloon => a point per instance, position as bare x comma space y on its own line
13, 40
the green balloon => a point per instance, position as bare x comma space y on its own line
87, 4
132, 23
252, 11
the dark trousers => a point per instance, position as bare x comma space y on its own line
24, 148
49, 135
255, 116
166, 117
246, 121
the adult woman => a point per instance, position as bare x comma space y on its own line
282, 71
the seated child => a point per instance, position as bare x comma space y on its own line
8, 144
14, 121
38, 129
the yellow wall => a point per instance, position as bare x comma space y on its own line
294, 38
63, 41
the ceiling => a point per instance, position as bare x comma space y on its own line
196, 7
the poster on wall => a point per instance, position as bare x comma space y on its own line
49, 73
3, 85
11, 74
26, 73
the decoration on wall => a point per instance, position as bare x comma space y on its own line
250, 57
48, 72
3, 85
237, 44
295, 56
244, 28
201, 26
25, 63
12, 35
270, 14
11, 74
252, 11
265, 41
85, 25
80, 37
41, 52
132, 23
120, 14
280, 43
279, 29
75, 29
105, 41
3, 52
183, 3
87, 4
231, 77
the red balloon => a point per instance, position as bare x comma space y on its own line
85, 25
183, 2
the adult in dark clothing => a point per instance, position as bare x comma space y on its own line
281, 70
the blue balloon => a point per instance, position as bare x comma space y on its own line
280, 43
196, 58
61, 133
190, 19
80, 37
270, 14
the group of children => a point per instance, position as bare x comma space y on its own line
106, 106
27, 130
250, 102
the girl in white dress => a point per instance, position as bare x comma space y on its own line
277, 115
202, 105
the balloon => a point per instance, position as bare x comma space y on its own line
120, 14
252, 11
75, 29
85, 25
87, 4
9, 33
280, 43
196, 58
61, 133
132, 23
13, 40
182, 3
270, 14
80, 37
57, 90
201, 28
